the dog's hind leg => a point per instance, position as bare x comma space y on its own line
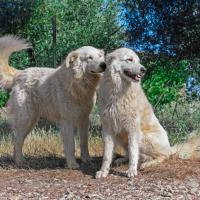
22, 125
23, 117
83, 131
153, 163
155, 142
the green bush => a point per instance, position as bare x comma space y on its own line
79, 23
164, 80
3, 98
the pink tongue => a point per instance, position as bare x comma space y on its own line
137, 78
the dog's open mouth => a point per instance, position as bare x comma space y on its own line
93, 72
135, 77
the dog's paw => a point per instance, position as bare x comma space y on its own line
131, 173
73, 165
101, 174
145, 165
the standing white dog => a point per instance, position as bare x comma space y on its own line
126, 114
64, 95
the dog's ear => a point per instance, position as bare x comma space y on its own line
71, 59
110, 58
102, 52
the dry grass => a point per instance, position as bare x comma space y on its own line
180, 119
47, 143
44, 149
37, 143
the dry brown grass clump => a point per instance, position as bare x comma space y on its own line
47, 143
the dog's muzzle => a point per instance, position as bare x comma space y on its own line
143, 70
133, 76
102, 65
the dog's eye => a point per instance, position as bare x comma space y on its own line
90, 58
130, 59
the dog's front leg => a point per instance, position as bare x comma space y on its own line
67, 131
108, 153
133, 152
83, 131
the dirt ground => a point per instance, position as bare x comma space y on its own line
174, 179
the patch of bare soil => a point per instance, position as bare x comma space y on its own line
174, 179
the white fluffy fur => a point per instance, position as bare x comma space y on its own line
64, 95
127, 116
190, 149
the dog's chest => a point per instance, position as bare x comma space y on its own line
119, 113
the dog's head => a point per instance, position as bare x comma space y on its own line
86, 59
126, 63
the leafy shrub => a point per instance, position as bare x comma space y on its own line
3, 98
79, 23
164, 80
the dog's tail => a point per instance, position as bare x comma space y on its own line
190, 149
8, 45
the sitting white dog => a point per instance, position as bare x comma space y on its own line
126, 114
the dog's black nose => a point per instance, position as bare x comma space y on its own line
143, 70
103, 65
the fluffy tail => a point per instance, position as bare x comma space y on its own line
8, 45
190, 149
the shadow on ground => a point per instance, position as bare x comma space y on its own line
50, 162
